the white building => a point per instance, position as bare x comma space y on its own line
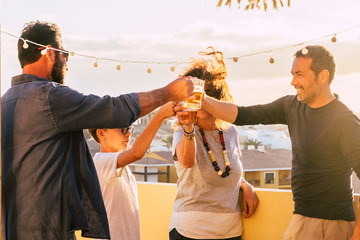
275, 136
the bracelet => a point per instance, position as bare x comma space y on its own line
189, 135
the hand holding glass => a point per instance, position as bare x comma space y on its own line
193, 103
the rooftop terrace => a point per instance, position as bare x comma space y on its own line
269, 222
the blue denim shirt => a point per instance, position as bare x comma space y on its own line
49, 182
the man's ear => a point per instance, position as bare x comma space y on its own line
50, 55
100, 133
323, 76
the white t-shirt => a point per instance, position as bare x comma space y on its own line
206, 205
120, 197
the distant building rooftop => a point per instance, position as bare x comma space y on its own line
269, 159
254, 160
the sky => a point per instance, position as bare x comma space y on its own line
175, 31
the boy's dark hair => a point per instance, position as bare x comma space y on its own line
92, 132
44, 33
322, 59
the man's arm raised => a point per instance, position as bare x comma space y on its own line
177, 90
223, 110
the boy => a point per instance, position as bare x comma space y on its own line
118, 185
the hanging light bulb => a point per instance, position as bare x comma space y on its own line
149, 69
25, 45
172, 68
96, 63
333, 39
43, 52
118, 67
271, 60
304, 51
235, 59
72, 53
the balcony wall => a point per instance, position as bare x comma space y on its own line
269, 222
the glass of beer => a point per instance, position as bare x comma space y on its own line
193, 103
191, 114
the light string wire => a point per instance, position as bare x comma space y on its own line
235, 58
72, 53
295, 45
37, 44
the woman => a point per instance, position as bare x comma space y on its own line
207, 161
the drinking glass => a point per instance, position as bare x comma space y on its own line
193, 103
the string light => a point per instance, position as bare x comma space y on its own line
149, 69
304, 50
118, 67
172, 68
333, 39
43, 52
271, 60
176, 63
25, 45
96, 63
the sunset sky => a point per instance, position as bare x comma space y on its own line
175, 31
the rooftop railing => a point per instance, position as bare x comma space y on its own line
269, 222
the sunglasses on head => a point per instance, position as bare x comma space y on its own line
126, 130
60, 51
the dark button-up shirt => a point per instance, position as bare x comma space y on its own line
49, 182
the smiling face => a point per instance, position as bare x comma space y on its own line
305, 81
113, 140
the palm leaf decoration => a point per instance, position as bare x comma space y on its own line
255, 4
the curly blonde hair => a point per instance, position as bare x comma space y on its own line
214, 73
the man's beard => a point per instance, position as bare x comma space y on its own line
57, 72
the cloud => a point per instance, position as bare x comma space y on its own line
165, 34
237, 40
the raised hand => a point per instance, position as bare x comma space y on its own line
180, 89
167, 110
181, 114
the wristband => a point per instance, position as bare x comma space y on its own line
189, 135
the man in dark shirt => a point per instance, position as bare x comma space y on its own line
325, 138
49, 182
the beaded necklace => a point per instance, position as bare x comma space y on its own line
213, 160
